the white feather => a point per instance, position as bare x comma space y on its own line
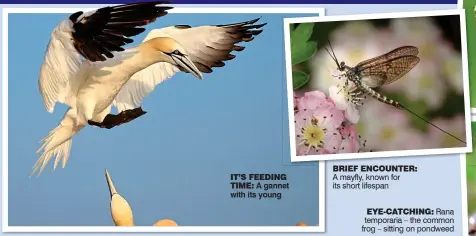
60, 64
195, 40
58, 142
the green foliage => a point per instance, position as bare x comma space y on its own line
302, 49
299, 79
469, 7
471, 37
471, 173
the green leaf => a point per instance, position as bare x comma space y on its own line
301, 48
302, 52
299, 79
302, 33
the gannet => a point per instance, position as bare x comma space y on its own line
121, 211
126, 77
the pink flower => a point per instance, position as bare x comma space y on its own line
350, 140
314, 100
317, 131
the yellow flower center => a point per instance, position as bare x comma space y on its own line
313, 136
388, 134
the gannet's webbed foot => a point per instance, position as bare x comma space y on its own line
130, 115
94, 123
123, 117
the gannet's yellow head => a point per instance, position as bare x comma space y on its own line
165, 222
174, 53
121, 212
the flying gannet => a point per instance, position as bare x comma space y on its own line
127, 76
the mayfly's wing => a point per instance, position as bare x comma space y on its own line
398, 52
387, 72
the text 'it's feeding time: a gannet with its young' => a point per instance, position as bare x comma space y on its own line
87, 68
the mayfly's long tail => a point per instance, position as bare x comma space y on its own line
423, 119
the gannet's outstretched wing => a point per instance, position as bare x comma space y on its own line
206, 46
95, 35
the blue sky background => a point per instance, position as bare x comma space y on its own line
175, 162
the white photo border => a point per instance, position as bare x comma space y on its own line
436, 151
276, 9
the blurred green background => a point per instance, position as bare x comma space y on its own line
469, 6
471, 174
471, 37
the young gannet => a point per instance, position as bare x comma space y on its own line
121, 211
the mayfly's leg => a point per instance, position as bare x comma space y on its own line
357, 96
338, 76
111, 120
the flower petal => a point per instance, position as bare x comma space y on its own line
352, 114
338, 96
330, 118
313, 100
333, 140
350, 142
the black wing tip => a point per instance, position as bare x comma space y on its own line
255, 20
105, 34
240, 24
143, 3
255, 32
165, 8
182, 26
161, 2
159, 7
74, 17
260, 25
250, 22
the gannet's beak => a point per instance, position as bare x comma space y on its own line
112, 189
121, 212
187, 64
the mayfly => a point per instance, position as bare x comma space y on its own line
382, 70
